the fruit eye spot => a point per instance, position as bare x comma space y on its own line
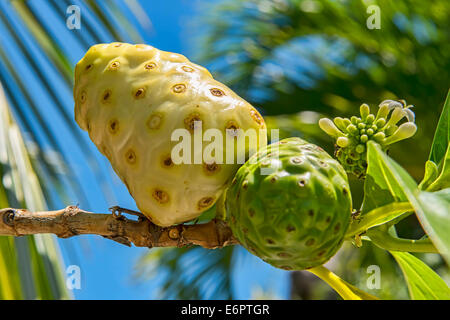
337, 228
113, 126
256, 116
130, 156
211, 168
290, 228
106, 96
302, 183
245, 185
231, 128
284, 255
179, 88
328, 220
311, 213
88, 67
187, 69
167, 161
205, 202
139, 93
270, 241
321, 253
296, 160
83, 96
160, 196
150, 65
114, 65
154, 122
310, 242
217, 92
190, 121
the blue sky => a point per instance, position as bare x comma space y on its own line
107, 267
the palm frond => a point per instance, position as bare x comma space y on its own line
36, 257
189, 273
37, 58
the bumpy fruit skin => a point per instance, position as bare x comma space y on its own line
295, 217
131, 98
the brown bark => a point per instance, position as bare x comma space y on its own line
73, 221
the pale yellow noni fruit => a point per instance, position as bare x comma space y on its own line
131, 98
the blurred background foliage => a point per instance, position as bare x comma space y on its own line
299, 60
295, 60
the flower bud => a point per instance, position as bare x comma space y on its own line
342, 142
390, 130
370, 119
396, 116
405, 131
410, 114
364, 110
339, 122
329, 127
352, 129
360, 148
380, 123
383, 111
379, 136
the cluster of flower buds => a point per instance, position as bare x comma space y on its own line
352, 134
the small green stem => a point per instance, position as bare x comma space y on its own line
381, 238
379, 216
344, 289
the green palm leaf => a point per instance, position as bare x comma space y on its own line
36, 165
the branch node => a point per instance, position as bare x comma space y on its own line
8, 217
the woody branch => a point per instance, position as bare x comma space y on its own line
73, 221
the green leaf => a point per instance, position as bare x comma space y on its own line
36, 261
431, 174
378, 216
381, 186
432, 209
442, 134
443, 180
423, 282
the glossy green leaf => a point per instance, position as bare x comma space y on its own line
423, 282
432, 209
381, 187
431, 174
442, 134
443, 180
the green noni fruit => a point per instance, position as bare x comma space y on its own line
290, 205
